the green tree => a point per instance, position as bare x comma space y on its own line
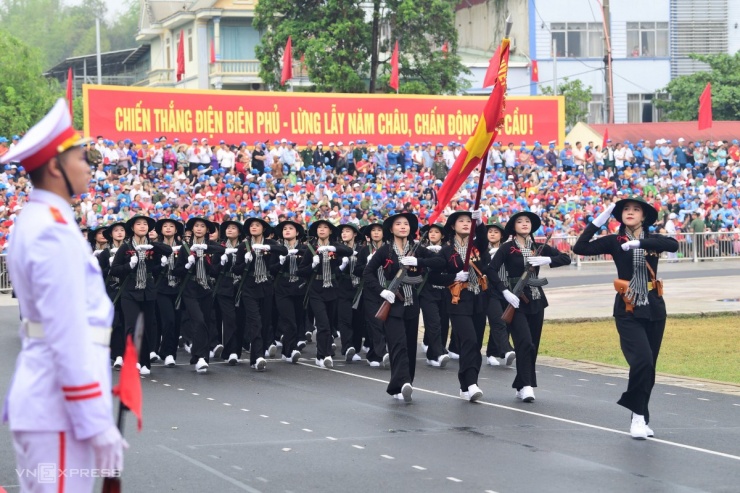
577, 98
681, 96
25, 95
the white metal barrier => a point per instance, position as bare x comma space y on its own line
5, 286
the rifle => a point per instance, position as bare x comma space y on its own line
358, 294
248, 242
312, 251
395, 284
178, 300
525, 280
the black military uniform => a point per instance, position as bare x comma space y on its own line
370, 302
225, 291
168, 286
112, 287
498, 349
350, 321
433, 306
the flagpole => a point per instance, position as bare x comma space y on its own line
482, 177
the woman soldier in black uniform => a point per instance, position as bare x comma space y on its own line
499, 351
135, 262
98, 241
635, 252
170, 233
254, 261
402, 325
349, 321
320, 266
233, 335
516, 255
290, 289
374, 333
193, 267
467, 310
432, 301
115, 234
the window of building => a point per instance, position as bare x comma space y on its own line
641, 108
596, 109
168, 53
578, 39
647, 39
190, 45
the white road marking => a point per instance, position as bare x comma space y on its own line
237, 468
180, 389
167, 385
285, 422
360, 447
210, 398
245, 410
583, 380
702, 399
307, 430
153, 381
214, 457
738, 405
264, 416
286, 450
331, 438
668, 393
226, 404
555, 374
195, 393
261, 479
387, 457
547, 416
454, 480
489, 491
612, 384
419, 468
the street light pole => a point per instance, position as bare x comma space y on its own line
97, 50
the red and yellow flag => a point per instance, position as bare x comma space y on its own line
480, 142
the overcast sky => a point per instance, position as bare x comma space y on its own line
114, 6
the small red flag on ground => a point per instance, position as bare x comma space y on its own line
535, 71
480, 142
493, 66
181, 57
287, 62
129, 384
70, 91
606, 139
213, 51
705, 107
394, 68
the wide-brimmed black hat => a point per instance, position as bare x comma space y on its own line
210, 225
441, 227
351, 226
266, 228
651, 214
93, 232
314, 225
222, 227
536, 222
109, 229
130, 223
411, 218
365, 230
452, 219
300, 230
500, 227
179, 226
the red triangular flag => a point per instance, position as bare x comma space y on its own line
213, 51
492, 72
606, 139
705, 107
287, 62
181, 57
535, 71
70, 91
129, 384
394, 68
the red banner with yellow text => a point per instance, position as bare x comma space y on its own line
118, 113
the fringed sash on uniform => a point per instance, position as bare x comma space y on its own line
408, 294
200, 269
526, 253
141, 265
462, 251
638, 292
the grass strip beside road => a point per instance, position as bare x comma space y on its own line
700, 347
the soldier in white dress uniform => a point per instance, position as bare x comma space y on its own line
59, 405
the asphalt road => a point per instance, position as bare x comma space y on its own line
299, 428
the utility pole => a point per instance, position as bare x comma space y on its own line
554, 67
375, 39
97, 50
608, 77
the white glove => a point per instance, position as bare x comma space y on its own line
602, 218
164, 261
345, 262
434, 248
248, 257
176, 248
260, 246
410, 261
538, 261
139, 248
315, 261
492, 252
224, 258
134, 260
631, 245
191, 261
113, 251
462, 276
329, 248
229, 251
199, 246
108, 447
97, 252
282, 259
476, 215
511, 298
388, 296
370, 256
292, 251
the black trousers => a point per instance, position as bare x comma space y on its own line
640, 340
375, 331
118, 334
526, 330
401, 334
290, 312
322, 312
199, 310
430, 309
131, 309
233, 334
258, 314
169, 324
498, 337
350, 323
464, 329
444, 319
